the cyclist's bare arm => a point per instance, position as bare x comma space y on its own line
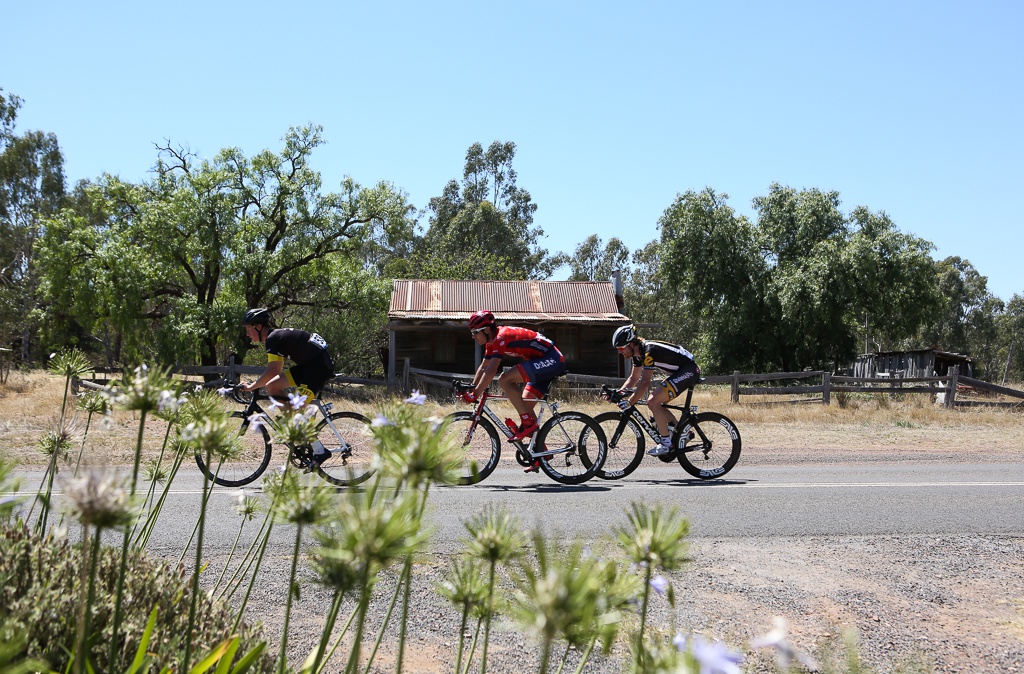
274, 369
484, 374
639, 379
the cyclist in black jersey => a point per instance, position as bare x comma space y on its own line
313, 365
648, 355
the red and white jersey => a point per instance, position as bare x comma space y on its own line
521, 343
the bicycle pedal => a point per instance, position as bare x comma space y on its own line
532, 469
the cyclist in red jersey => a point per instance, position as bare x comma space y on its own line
541, 362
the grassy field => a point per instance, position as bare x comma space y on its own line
30, 405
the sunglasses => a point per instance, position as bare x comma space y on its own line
477, 331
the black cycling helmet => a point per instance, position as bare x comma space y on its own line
256, 317
623, 336
481, 319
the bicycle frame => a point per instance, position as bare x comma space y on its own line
482, 409
687, 412
325, 408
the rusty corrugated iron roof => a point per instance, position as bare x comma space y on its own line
571, 301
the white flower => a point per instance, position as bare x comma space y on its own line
225, 391
785, 654
296, 400
679, 641
715, 658
380, 421
416, 398
168, 402
255, 420
435, 422
239, 497
659, 584
53, 354
274, 404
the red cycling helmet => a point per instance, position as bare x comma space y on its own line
481, 319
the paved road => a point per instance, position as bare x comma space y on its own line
755, 501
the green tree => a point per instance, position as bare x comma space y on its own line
31, 189
488, 220
594, 260
791, 290
169, 265
966, 320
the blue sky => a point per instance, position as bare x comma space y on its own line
912, 108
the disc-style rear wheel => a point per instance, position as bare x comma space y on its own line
711, 448
249, 458
478, 439
571, 436
351, 447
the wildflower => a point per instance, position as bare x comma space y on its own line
98, 500
144, 391
416, 398
246, 505
275, 404
679, 641
715, 658
655, 537
300, 503
296, 400
381, 421
659, 584
69, 363
225, 391
256, 421
168, 402
785, 654
92, 402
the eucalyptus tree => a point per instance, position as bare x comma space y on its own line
32, 188
791, 290
486, 215
595, 260
169, 264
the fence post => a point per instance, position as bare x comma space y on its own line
826, 383
954, 375
736, 386
405, 375
231, 368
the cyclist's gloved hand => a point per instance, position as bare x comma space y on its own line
623, 404
468, 397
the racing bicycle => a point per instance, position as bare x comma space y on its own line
345, 434
706, 444
570, 447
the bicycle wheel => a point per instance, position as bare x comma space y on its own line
247, 463
625, 447
351, 448
572, 435
480, 443
714, 448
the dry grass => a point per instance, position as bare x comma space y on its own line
30, 405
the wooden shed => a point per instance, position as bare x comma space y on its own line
914, 363
427, 321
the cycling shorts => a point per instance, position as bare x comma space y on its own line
313, 373
685, 377
540, 372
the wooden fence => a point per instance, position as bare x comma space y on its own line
951, 390
945, 389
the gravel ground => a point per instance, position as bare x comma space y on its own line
921, 603
952, 603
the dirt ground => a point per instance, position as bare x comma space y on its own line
950, 603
